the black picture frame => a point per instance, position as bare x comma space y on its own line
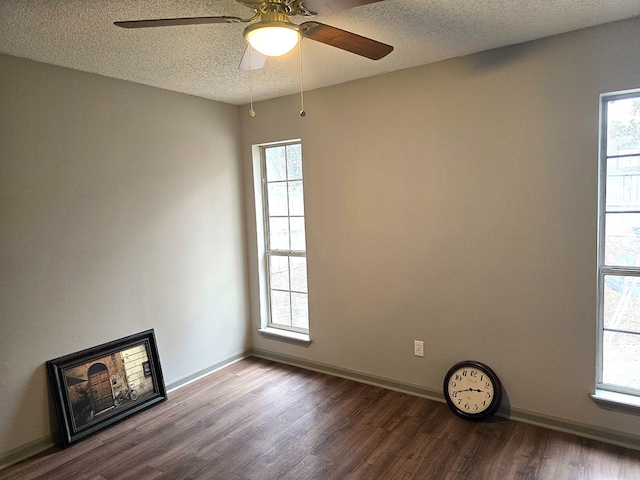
100, 386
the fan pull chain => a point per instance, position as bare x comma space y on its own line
252, 113
302, 112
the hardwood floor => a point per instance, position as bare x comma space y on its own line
261, 420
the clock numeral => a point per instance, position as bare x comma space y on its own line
467, 406
474, 373
464, 373
458, 377
454, 384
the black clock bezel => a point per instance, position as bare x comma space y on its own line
497, 388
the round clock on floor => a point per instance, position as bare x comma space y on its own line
472, 390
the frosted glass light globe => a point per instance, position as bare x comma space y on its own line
272, 39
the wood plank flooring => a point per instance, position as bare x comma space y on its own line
261, 420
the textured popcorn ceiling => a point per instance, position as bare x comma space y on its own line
203, 60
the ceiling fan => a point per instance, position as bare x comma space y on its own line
271, 33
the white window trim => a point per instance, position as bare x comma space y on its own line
285, 335
605, 394
266, 329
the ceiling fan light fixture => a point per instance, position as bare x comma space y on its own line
272, 38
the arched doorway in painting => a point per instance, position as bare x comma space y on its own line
101, 393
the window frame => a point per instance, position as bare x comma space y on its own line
268, 327
609, 393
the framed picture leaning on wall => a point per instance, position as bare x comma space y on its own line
97, 387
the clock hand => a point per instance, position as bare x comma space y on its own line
469, 390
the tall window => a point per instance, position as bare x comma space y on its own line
619, 245
285, 243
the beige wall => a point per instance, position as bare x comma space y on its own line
456, 203
120, 210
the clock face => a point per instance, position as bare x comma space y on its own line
472, 390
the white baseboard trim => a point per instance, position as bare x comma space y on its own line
25, 451
583, 430
194, 376
355, 375
600, 434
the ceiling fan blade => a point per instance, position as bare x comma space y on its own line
328, 6
170, 22
348, 41
252, 60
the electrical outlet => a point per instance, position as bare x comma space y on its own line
418, 348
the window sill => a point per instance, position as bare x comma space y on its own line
286, 336
618, 401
